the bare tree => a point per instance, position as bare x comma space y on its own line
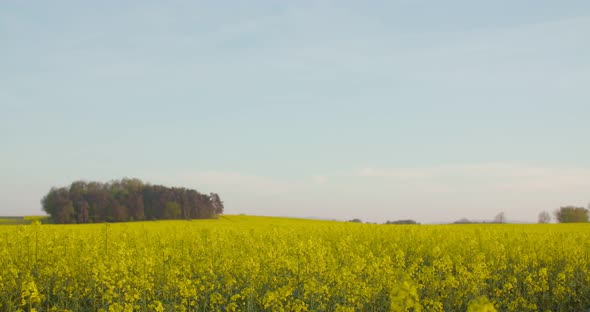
500, 218
544, 217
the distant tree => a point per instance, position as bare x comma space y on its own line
500, 218
217, 203
83, 212
402, 222
356, 220
57, 204
463, 221
66, 213
544, 217
172, 210
140, 211
570, 214
120, 213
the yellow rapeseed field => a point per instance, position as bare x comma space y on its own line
241, 263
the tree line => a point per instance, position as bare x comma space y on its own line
565, 214
127, 200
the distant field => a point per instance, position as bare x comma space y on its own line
243, 263
22, 220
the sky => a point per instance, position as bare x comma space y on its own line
378, 110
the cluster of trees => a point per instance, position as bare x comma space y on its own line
499, 218
402, 222
569, 214
127, 200
566, 214
356, 220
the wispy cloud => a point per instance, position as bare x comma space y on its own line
491, 176
485, 177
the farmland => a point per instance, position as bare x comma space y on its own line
244, 263
23, 220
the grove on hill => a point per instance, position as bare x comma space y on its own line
127, 200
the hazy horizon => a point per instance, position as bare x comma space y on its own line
378, 110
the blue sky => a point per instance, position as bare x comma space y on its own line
379, 110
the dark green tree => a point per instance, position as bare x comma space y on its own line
66, 213
570, 214
172, 210
402, 222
